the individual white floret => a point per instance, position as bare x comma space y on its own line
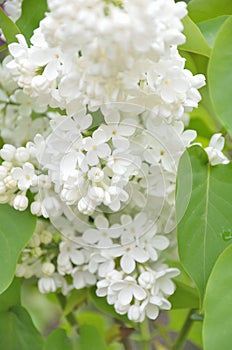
47, 285
83, 278
48, 268
24, 176
214, 150
7, 152
22, 154
20, 202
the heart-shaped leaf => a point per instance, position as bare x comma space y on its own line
16, 229
204, 210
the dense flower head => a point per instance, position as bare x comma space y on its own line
100, 167
95, 66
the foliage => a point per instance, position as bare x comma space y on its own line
15, 231
203, 194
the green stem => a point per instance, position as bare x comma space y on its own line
145, 334
70, 317
3, 47
180, 339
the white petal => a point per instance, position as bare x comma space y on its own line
92, 158
115, 205
126, 219
168, 94
217, 141
160, 242
139, 292
181, 85
105, 268
121, 143
112, 117
101, 222
139, 255
17, 173
51, 71
167, 286
99, 137
127, 263
152, 311
78, 280
77, 257
91, 236
125, 296
103, 150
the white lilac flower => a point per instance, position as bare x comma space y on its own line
20, 202
126, 289
70, 252
153, 243
47, 285
22, 155
96, 147
103, 284
83, 278
8, 152
103, 170
101, 263
24, 176
13, 8
48, 268
101, 79
103, 235
130, 253
214, 150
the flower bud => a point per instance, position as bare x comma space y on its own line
46, 237
3, 172
22, 154
34, 241
48, 268
95, 174
20, 202
7, 152
85, 206
46, 285
36, 208
10, 182
2, 187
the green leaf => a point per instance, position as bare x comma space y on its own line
195, 41
201, 10
15, 231
219, 74
58, 340
32, 13
210, 28
90, 338
204, 208
76, 298
11, 296
92, 318
17, 331
218, 305
9, 28
185, 297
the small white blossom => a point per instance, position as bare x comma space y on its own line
20, 202
214, 150
96, 147
46, 285
25, 176
127, 289
8, 152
